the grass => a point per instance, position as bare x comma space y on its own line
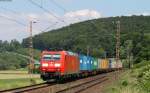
13, 79
14, 83
13, 72
18, 76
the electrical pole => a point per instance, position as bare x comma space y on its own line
31, 61
118, 44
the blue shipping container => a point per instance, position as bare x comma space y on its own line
90, 62
85, 63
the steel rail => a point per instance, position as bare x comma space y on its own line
84, 86
27, 88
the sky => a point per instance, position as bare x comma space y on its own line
52, 14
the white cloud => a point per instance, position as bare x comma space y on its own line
84, 13
81, 15
11, 30
145, 14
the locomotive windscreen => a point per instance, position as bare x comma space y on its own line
51, 57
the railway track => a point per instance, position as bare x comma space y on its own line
27, 88
83, 86
53, 87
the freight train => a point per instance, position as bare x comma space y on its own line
61, 65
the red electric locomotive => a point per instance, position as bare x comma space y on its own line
58, 64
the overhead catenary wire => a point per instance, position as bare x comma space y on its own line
58, 5
49, 27
47, 11
61, 7
16, 13
14, 20
10, 10
65, 10
21, 23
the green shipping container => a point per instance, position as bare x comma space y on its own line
95, 64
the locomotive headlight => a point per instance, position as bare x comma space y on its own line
57, 65
45, 64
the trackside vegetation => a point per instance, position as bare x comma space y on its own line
136, 80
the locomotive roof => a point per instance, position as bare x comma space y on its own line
67, 52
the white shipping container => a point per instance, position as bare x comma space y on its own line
114, 64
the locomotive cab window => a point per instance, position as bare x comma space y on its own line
47, 57
51, 57
56, 57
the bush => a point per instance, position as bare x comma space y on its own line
124, 83
141, 64
144, 78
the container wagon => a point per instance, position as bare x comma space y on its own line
63, 64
